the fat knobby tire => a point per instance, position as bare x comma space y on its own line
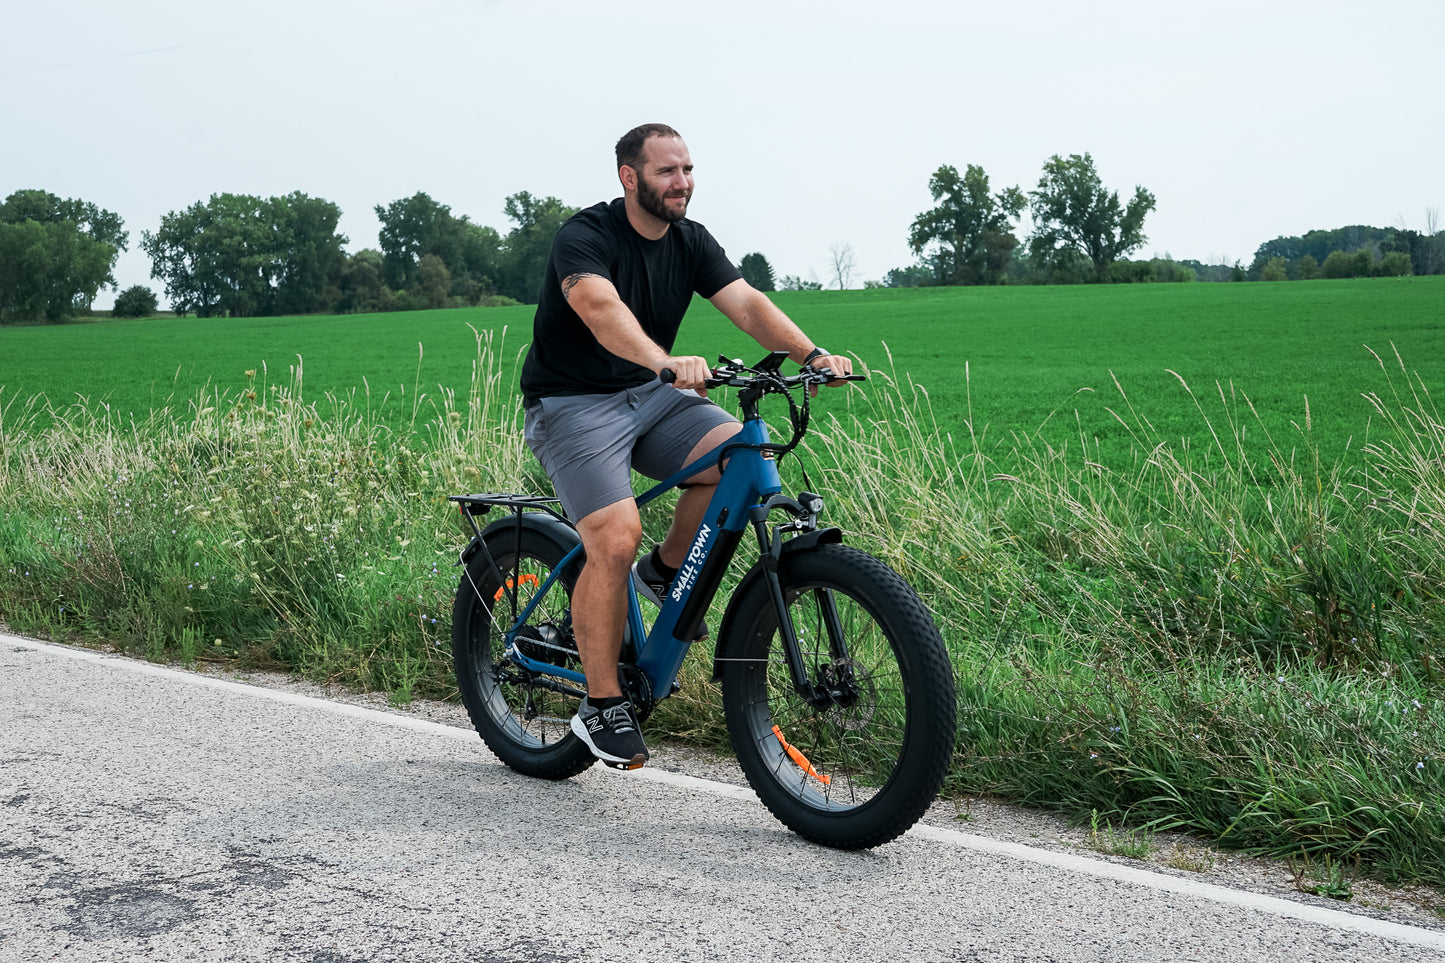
542, 745
860, 772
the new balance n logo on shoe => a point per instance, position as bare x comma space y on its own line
611, 732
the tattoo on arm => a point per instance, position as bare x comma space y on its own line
571, 281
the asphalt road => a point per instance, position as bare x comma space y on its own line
151, 814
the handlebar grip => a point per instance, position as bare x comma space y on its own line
667, 376
831, 376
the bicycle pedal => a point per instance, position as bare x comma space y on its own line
637, 762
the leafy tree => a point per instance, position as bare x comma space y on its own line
243, 255
1159, 270
55, 255
1061, 265
481, 258
1287, 249
1218, 271
361, 285
1339, 265
418, 226
310, 252
1320, 244
913, 276
99, 224
136, 301
1125, 271
435, 281
756, 270
1169, 271
1422, 249
527, 245
1071, 209
1396, 264
1275, 269
1308, 268
970, 232
1365, 263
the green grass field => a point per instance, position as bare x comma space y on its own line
1039, 360
1242, 641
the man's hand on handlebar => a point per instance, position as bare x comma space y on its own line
689, 373
836, 364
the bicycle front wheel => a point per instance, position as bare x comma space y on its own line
855, 760
524, 718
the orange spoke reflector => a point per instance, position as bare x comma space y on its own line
528, 579
802, 761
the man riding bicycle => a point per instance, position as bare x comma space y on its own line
619, 279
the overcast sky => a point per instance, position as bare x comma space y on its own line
810, 124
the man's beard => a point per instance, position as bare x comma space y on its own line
653, 204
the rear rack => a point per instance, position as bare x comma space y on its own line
474, 505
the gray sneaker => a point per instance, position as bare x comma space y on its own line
612, 734
649, 582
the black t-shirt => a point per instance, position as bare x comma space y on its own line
655, 279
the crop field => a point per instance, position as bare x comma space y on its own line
1185, 543
996, 363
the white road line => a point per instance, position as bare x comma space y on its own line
1273, 905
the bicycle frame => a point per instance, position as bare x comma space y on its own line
749, 481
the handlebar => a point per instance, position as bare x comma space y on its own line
735, 374
764, 378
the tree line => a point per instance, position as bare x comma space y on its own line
1082, 232
242, 255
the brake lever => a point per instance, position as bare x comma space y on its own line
825, 375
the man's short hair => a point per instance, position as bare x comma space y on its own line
629, 148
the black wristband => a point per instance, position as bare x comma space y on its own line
815, 353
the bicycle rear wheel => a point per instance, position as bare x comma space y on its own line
521, 716
858, 761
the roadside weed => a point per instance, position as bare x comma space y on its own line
1132, 844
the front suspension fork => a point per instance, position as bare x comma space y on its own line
815, 693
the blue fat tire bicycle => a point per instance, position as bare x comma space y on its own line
836, 686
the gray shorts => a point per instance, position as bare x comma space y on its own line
589, 444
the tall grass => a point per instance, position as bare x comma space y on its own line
253, 526
1236, 639
1239, 641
